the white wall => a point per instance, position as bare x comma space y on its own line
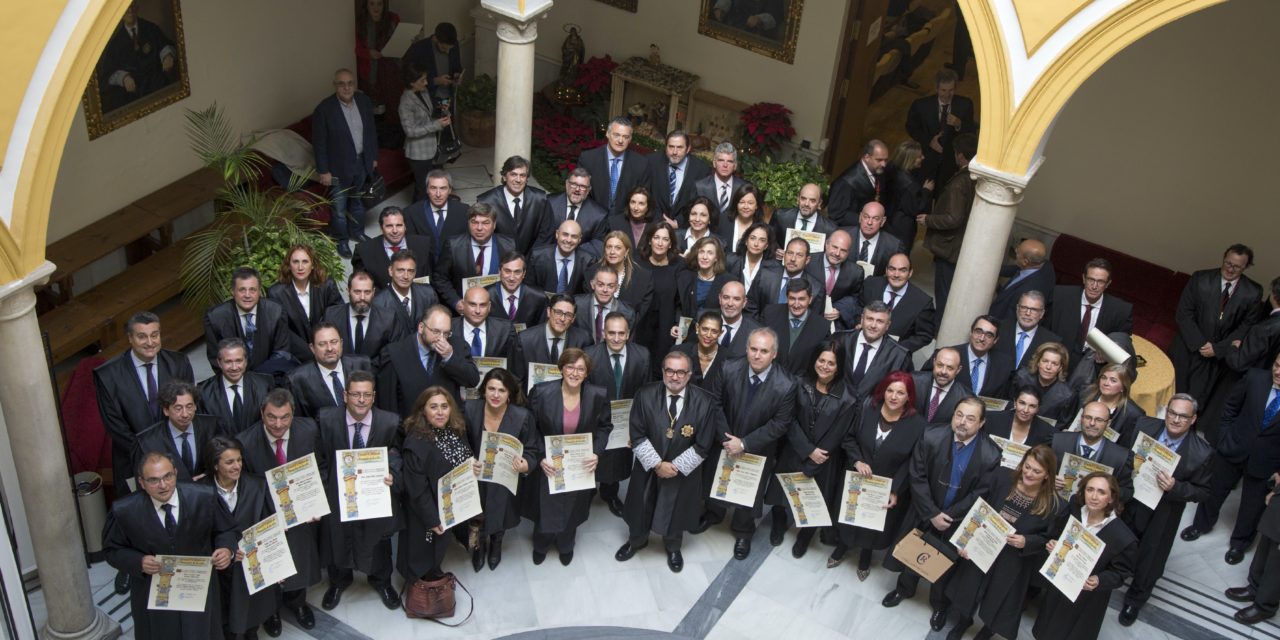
1168, 153
266, 63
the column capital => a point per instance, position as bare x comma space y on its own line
517, 22
18, 296
999, 187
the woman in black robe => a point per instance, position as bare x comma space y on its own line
664, 267
1047, 371
1021, 422
500, 409
1027, 499
881, 443
1097, 506
1112, 388
702, 345
302, 272
562, 407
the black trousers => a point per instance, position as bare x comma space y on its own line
1253, 494
1153, 553
743, 522
1264, 575
908, 581
379, 574
639, 539
563, 540
609, 490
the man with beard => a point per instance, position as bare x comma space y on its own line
365, 328
432, 356
937, 391
862, 183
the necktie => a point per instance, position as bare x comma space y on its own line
407, 303
617, 375
671, 182
133, 34
861, 369
338, 396
1272, 409
439, 221
934, 402
615, 168
359, 337
1022, 346
795, 329
1085, 322
555, 349
170, 525
511, 307
395, 246
724, 197
281, 458
430, 364
1087, 451
795, 323
728, 337
952, 489
893, 298
862, 253
600, 311
237, 406
562, 279
479, 259
752, 388
976, 376
673, 409
782, 291
250, 330
153, 399
942, 116
573, 212
357, 436
516, 210
477, 347
1226, 297
188, 459
832, 271
804, 223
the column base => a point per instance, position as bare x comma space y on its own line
102, 628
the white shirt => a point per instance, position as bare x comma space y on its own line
862, 344
231, 395
140, 370
679, 174
271, 440
1026, 342
763, 375
721, 187
894, 299
871, 248
488, 254
229, 496
1093, 318
749, 274
352, 320
730, 325
511, 199
470, 331
506, 299
551, 335
304, 299
812, 219
159, 507
622, 360
870, 175
326, 374
560, 262
1094, 528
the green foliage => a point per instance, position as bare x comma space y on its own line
782, 181
251, 227
479, 95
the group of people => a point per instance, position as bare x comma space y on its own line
657, 280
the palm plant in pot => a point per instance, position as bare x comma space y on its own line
252, 227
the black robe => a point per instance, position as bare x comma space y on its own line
384, 431
1000, 423
242, 611
892, 460
565, 511
501, 508
424, 465
1061, 619
760, 423
1058, 401
821, 421
133, 531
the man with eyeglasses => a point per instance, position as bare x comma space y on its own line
1030, 271
1156, 528
183, 434
673, 426
981, 370
560, 267
914, 321
279, 438
432, 356
950, 469
1076, 310
543, 343
621, 367
346, 150
145, 524
1090, 443
363, 545
574, 204
1019, 344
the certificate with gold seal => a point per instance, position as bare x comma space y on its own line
362, 490
817, 241
620, 436
568, 455
458, 495
737, 479
485, 365
181, 585
297, 491
808, 507
267, 559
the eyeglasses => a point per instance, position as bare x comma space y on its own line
563, 314
437, 332
573, 368
360, 395
983, 333
1174, 416
167, 478
579, 187
676, 373
1022, 308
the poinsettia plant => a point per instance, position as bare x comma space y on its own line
595, 77
767, 125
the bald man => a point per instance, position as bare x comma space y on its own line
560, 268
870, 245
805, 216
1030, 271
487, 335
841, 279
864, 182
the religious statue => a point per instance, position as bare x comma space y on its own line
572, 53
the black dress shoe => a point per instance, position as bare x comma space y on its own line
1251, 615
1128, 614
938, 619
615, 506
495, 555
566, 558
122, 583
892, 599
742, 548
358, 234
776, 535
251, 634
703, 525
538, 557
305, 616
675, 561
332, 596
800, 547
344, 250
1191, 533
1241, 594
390, 599
626, 551
957, 632
1234, 555
272, 626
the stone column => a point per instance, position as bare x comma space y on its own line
30, 411
517, 31
985, 238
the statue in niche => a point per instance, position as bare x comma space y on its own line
572, 53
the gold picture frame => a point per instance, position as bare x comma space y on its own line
141, 70
767, 27
625, 5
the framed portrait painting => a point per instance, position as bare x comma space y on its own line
767, 27
142, 69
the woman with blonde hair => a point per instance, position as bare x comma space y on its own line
1047, 371
635, 285
1112, 389
910, 196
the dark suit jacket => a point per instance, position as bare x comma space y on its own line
459, 261
1114, 455
531, 305
586, 320
635, 370
253, 392
381, 327
1202, 319
850, 280
706, 187
996, 379
534, 226
421, 298
913, 319
402, 376
1005, 303
699, 378
909, 198
1065, 318
764, 293
499, 335
1259, 346
634, 173
923, 123
331, 139
892, 458
299, 322
157, 438
784, 219
1191, 482
350, 544
931, 472
223, 321
590, 216
852, 190
419, 220
1000, 423
687, 292
947, 406
762, 421
695, 169
1243, 439
371, 256
313, 391
423, 53
122, 404
738, 341
1057, 402
890, 356
1007, 346
546, 402
796, 357
531, 346
544, 269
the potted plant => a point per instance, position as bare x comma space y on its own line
781, 181
251, 227
477, 107
765, 126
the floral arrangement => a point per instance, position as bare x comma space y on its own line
595, 77
766, 125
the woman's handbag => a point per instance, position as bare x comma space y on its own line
432, 599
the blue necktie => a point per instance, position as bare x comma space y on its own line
782, 291
671, 182
752, 388
1022, 345
977, 376
952, 485
1272, 409
188, 459
728, 337
615, 167
477, 348
170, 524
795, 323
250, 330
562, 280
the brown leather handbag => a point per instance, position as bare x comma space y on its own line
432, 599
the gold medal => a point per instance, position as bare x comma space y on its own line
687, 431
671, 433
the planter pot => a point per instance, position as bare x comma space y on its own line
477, 129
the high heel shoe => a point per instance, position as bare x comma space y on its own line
837, 556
